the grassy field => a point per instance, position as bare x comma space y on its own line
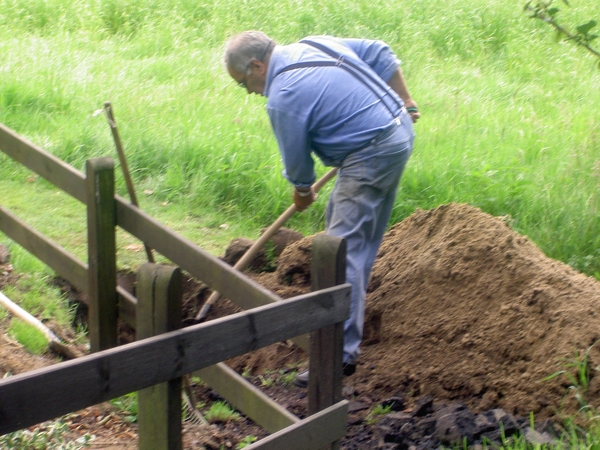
510, 118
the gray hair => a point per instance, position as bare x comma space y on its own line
242, 48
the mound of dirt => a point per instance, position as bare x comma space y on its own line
462, 308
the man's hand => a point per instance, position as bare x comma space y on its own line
412, 109
303, 198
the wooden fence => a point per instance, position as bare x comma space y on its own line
111, 371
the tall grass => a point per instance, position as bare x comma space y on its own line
510, 119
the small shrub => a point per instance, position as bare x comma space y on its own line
287, 379
376, 413
221, 412
281, 377
49, 435
246, 441
127, 404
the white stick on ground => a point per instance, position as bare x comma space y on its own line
53, 341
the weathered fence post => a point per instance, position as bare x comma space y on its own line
326, 345
102, 272
159, 311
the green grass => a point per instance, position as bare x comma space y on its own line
282, 377
127, 405
377, 413
221, 412
577, 372
33, 289
248, 440
30, 337
510, 119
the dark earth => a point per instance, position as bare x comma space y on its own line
468, 327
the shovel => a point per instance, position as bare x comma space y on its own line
112, 123
255, 248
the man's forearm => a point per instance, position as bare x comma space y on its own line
398, 85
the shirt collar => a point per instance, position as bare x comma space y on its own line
274, 63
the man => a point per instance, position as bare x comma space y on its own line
346, 101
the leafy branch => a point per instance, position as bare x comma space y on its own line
545, 11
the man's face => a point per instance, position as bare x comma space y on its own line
253, 79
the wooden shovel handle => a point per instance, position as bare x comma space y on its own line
243, 262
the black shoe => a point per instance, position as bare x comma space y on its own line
301, 379
348, 369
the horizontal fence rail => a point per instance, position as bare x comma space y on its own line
45, 164
55, 256
36, 396
43, 394
217, 274
247, 398
316, 431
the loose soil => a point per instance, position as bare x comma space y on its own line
459, 307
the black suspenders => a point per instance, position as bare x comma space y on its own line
353, 69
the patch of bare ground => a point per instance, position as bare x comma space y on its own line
460, 310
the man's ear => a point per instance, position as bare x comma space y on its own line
258, 66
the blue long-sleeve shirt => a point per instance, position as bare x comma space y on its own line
326, 110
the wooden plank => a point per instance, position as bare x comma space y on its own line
43, 163
53, 255
159, 290
102, 265
60, 260
135, 221
127, 306
217, 274
302, 341
75, 271
328, 262
247, 398
159, 311
325, 377
314, 432
33, 397
325, 366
